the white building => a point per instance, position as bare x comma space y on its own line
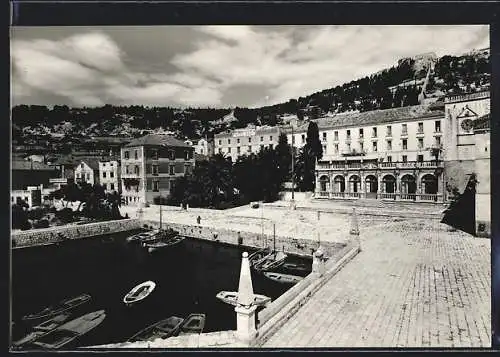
87, 171
109, 175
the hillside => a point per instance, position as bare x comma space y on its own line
408, 82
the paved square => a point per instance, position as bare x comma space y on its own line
414, 284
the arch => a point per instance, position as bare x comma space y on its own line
408, 184
371, 184
354, 183
429, 184
324, 183
339, 184
389, 183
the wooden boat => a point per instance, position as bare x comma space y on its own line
259, 254
138, 293
70, 331
143, 235
162, 234
283, 278
271, 261
162, 329
193, 324
162, 243
296, 267
63, 306
231, 297
42, 329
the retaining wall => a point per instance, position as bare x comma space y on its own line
301, 247
36, 237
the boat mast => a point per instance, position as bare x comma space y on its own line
274, 237
293, 175
160, 212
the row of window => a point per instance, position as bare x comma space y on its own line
404, 145
249, 140
249, 149
82, 176
154, 155
155, 169
111, 174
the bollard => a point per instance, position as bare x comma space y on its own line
318, 265
246, 310
354, 232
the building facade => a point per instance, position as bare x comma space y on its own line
150, 165
482, 171
239, 142
204, 147
87, 171
109, 175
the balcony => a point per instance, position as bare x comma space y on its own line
379, 165
405, 197
404, 133
349, 153
420, 133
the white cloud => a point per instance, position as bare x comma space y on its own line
284, 63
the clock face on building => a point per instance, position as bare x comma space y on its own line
466, 124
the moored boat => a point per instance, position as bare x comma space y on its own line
162, 243
143, 235
231, 297
271, 261
259, 254
63, 306
193, 324
70, 331
42, 329
296, 267
138, 293
162, 329
283, 278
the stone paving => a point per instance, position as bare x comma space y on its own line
414, 284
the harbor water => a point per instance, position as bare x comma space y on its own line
187, 276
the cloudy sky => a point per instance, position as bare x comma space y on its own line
212, 66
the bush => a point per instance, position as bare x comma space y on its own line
26, 225
65, 215
36, 214
42, 223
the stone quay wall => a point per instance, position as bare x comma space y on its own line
45, 236
299, 247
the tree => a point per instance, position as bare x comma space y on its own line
313, 144
283, 152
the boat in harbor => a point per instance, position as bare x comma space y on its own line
70, 331
42, 329
139, 237
138, 293
283, 278
193, 324
296, 267
231, 297
162, 329
63, 306
271, 261
259, 254
162, 243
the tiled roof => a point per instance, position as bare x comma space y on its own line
157, 140
93, 163
482, 123
374, 117
30, 165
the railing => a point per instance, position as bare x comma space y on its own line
381, 165
386, 196
387, 164
407, 197
324, 194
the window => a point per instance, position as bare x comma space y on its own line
324, 149
389, 145
111, 164
404, 130
111, 174
238, 141
437, 140
136, 169
420, 158
111, 186
187, 155
126, 169
360, 133
228, 150
420, 128
220, 142
270, 138
374, 132
171, 169
389, 158
126, 154
405, 144
88, 177
249, 140
82, 166
154, 169
437, 126
336, 135
171, 154
229, 141
154, 154
405, 158
420, 143
261, 138
136, 154
12, 199
238, 149
249, 148
324, 136
220, 150
375, 146
104, 175
293, 139
348, 134
348, 147
389, 130
156, 186
336, 147
361, 146
303, 138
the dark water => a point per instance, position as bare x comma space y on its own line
187, 279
